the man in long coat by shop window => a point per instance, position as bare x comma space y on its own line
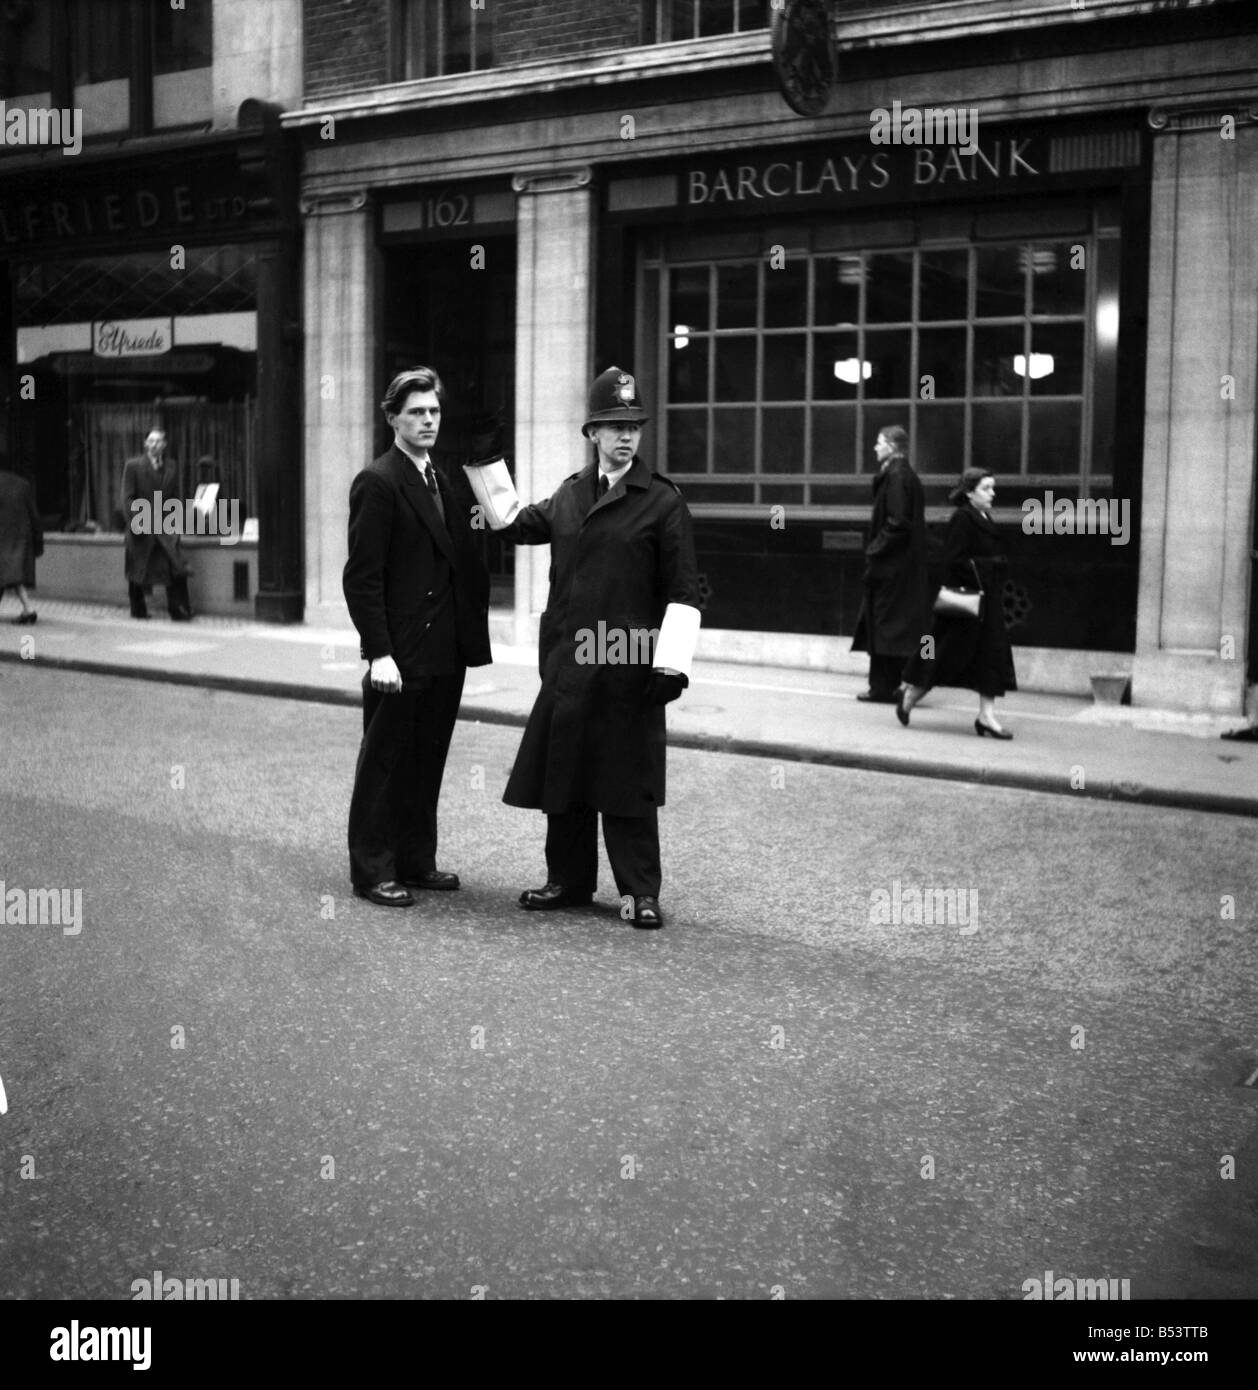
622, 567
895, 610
153, 557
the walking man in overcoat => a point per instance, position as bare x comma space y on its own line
153, 557
418, 593
622, 567
895, 610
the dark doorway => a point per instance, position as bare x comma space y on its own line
442, 312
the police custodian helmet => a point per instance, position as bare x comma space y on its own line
614, 397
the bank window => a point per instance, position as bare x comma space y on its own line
775, 373
435, 38
26, 53
700, 19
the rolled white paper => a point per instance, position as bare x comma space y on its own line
494, 490
679, 633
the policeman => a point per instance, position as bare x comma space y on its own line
622, 569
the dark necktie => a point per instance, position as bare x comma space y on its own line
602, 485
430, 478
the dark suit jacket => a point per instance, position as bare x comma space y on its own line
416, 587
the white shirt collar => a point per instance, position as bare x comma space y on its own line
614, 477
423, 464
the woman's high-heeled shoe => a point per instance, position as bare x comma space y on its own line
902, 710
980, 729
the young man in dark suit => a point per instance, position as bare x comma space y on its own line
418, 593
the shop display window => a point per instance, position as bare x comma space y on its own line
118, 344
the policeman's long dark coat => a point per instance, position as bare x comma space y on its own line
416, 586
140, 480
21, 535
968, 654
591, 736
895, 613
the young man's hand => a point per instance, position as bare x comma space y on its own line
385, 675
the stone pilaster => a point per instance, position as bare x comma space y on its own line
1198, 478
342, 392
555, 220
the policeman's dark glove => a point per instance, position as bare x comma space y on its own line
665, 687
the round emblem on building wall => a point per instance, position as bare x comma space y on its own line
803, 54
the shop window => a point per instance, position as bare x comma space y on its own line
999, 354
117, 344
701, 19
436, 38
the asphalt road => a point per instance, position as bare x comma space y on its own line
235, 1069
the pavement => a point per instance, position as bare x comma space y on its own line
1061, 744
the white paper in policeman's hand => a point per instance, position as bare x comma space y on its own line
494, 490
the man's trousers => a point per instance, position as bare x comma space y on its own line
393, 811
633, 847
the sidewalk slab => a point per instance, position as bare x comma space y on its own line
1062, 744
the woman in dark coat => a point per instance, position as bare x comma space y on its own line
21, 540
971, 653
895, 611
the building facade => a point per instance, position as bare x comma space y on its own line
149, 245
1063, 291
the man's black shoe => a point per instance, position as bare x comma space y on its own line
868, 697
390, 894
553, 895
647, 914
432, 878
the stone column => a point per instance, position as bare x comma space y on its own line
554, 314
1198, 478
342, 390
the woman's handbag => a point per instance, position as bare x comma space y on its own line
965, 603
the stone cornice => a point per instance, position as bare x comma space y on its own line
856, 29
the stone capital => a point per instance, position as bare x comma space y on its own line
1202, 116
339, 200
553, 180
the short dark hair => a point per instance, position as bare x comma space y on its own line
897, 436
412, 379
970, 479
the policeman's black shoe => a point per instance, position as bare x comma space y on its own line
551, 896
181, 615
432, 878
388, 894
141, 614
647, 914
868, 697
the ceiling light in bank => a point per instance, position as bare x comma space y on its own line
1037, 367
852, 369
681, 335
